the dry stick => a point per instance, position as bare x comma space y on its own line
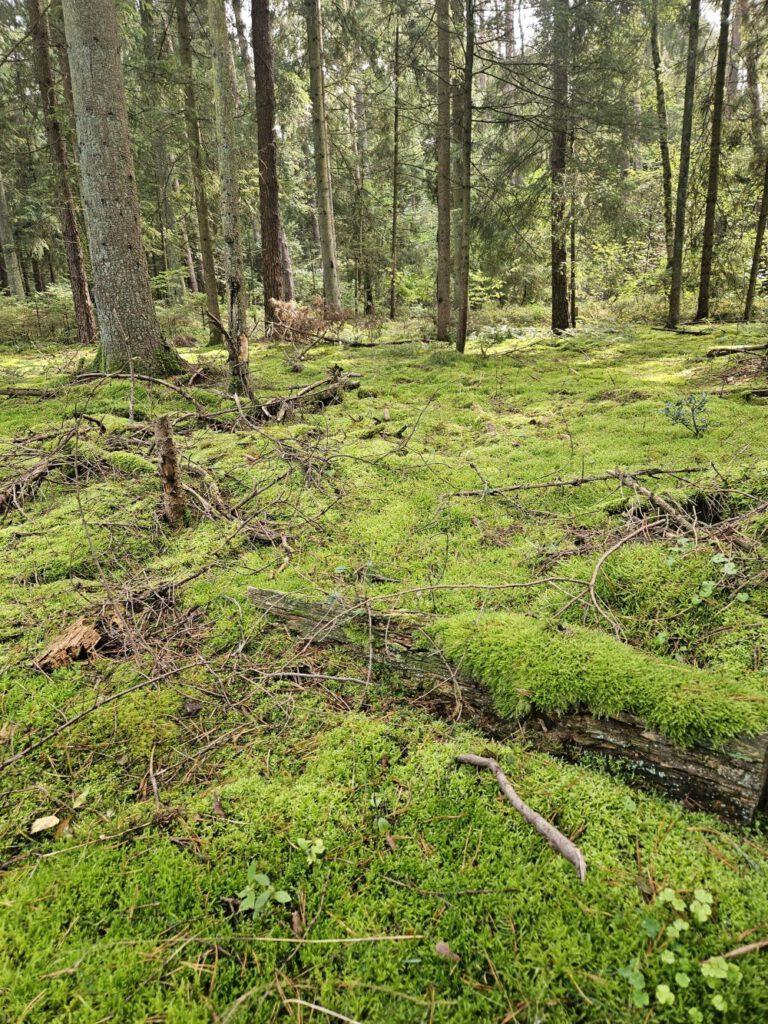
607, 615
560, 843
751, 947
579, 481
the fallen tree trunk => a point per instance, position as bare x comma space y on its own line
730, 781
734, 350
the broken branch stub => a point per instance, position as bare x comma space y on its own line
170, 477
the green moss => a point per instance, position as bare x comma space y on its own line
527, 666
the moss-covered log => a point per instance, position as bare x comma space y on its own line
727, 775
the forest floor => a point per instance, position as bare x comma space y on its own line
202, 759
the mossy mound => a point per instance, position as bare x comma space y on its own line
528, 666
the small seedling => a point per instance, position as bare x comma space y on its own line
259, 892
690, 412
312, 848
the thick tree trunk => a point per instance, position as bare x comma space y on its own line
444, 168
557, 165
466, 181
269, 203
663, 130
676, 283
395, 181
198, 180
713, 183
85, 318
128, 328
323, 183
225, 89
8, 244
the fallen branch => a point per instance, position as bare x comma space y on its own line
734, 350
560, 843
751, 947
579, 481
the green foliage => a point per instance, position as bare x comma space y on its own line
690, 412
259, 891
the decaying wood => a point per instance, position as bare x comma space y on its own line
79, 640
731, 780
24, 486
170, 476
560, 843
734, 350
315, 396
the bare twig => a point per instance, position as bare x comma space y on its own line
560, 843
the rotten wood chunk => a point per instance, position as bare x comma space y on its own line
731, 781
79, 640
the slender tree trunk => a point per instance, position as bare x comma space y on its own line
173, 290
198, 179
751, 54
758, 249
734, 57
225, 89
444, 168
713, 183
269, 202
85, 318
395, 181
128, 328
663, 129
323, 183
8, 244
572, 297
509, 29
466, 182
457, 143
242, 45
557, 165
676, 284
286, 265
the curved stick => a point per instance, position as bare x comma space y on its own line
560, 843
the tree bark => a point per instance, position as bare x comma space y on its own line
8, 244
323, 183
170, 476
557, 165
242, 45
85, 318
198, 180
395, 180
128, 327
663, 130
269, 201
713, 182
457, 144
466, 181
225, 90
734, 56
676, 283
751, 53
444, 168
757, 252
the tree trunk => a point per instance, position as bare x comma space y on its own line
128, 328
8, 244
457, 144
225, 88
751, 54
663, 129
676, 284
395, 181
269, 202
173, 289
573, 309
444, 169
242, 45
713, 183
557, 165
734, 57
85, 317
758, 249
466, 181
198, 180
322, 157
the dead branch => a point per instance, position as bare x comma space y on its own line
579, 481
734, 350
560, 843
